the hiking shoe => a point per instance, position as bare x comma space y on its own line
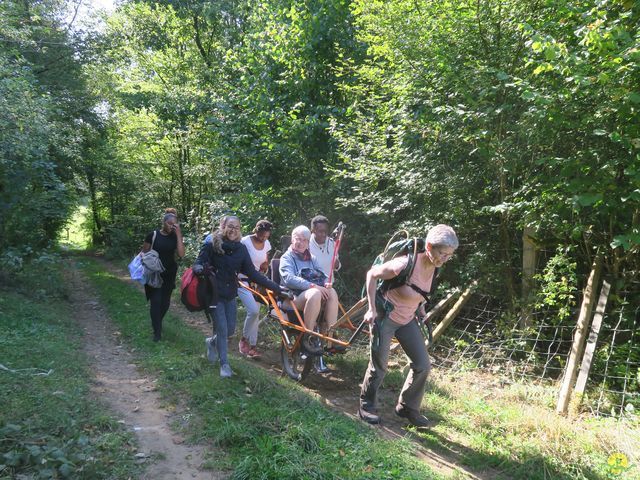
244, 346
212, 351
415, 417
369, 417
254, 352
311, 345
225, 371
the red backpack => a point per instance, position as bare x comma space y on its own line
194, 291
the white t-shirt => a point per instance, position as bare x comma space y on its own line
258, 257
324, 254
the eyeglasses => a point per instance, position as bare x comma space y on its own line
233, 227
443, 255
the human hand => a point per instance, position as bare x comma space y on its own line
324, 292
370, 316
176, 228
286, 294
264, 266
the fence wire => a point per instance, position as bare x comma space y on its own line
485, 336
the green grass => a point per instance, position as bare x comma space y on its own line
74, 236
262, 427
511, 427
50, 427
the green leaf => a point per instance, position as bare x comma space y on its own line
549, 53
587, 199
627, 242
65, 470
633, 196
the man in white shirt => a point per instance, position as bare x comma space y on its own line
321, 245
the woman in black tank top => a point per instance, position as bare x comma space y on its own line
168, 243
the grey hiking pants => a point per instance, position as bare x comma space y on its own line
412, 341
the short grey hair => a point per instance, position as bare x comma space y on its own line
442, 236
301, 230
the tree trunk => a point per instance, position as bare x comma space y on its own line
529, 256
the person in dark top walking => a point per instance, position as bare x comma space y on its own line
227, 257
169, 244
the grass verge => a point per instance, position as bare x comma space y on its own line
50, 427
266, 427
487, 422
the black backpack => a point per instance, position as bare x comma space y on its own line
398, 247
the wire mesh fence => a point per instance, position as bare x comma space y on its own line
485, 335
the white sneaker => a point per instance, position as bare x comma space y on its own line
225, 371
212, 351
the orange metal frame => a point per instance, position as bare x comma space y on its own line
270, 300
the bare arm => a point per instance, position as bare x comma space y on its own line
377, 272
180, 247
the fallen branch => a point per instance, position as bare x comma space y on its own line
39, 372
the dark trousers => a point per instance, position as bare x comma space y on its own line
412, 342
159, 301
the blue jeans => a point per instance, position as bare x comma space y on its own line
224, 325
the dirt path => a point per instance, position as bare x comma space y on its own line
131, 395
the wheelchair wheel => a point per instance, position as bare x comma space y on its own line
295, 364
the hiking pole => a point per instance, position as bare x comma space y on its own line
339, 230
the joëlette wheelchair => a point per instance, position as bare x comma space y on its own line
296, 361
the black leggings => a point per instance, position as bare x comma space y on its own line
159, 299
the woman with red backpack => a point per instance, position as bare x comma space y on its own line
227, 257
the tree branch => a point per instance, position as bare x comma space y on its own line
203, 54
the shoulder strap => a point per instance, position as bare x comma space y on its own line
418, 247
403, 277
153, 240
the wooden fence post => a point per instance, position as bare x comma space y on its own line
583, 375
453, 313
441, 305
529, 255
571, 369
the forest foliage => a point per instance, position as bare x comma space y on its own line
494, 116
